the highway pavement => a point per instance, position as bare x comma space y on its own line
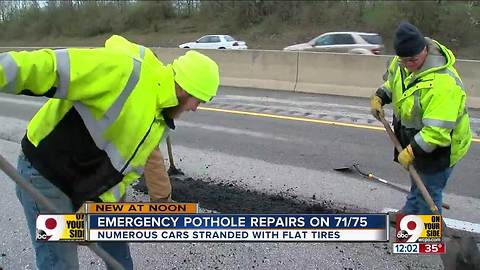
271, 142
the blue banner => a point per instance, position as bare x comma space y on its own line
240, 221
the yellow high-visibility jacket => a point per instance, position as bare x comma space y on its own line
429, 109
104, 116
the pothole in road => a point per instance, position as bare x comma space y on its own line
226, 197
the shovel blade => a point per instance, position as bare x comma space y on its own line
342, 169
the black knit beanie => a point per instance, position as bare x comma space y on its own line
408, 41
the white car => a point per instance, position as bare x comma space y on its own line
342, 42
215, 42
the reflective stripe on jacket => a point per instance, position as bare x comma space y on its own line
103, 120
429, 109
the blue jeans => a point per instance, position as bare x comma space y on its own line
435, 183
57, 255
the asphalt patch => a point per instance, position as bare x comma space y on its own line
226, 197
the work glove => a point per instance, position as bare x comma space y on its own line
156, 178
376, 107
406, 157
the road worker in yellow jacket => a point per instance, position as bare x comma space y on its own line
108, 110
430, 113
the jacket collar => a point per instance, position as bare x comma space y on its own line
166, 96
438, 57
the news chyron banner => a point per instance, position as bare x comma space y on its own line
237, 228
149, 223
418, 234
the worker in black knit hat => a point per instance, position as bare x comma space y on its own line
408, 41
429, 112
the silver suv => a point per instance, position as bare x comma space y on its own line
342, 42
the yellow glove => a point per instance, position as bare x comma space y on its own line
406, 157
376, 107
156, 178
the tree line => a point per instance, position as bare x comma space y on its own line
456, 23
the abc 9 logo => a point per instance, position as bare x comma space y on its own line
411, 228
49, 227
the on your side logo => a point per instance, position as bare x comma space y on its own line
49, 227
418, 228
409, 228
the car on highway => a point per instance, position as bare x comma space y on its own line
342, 42
215, 42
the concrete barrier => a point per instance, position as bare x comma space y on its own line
469, 71
251, 68
339, 74
361, 75
310, 72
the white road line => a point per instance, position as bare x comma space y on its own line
13, 127
452, 223
289, 102
22, 101
235, 131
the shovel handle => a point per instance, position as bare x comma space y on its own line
169, 150
392, 136
397, 187
10, 171
416, 178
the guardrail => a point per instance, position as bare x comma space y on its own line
310, 72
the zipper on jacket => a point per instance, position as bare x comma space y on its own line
402, 77
138, 147
405, 88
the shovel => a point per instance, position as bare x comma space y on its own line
9, 170
172, 170
371, 176
462, 252
413, 172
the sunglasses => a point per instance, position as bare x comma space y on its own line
411, 59
406, 60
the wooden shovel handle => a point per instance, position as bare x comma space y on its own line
38, 197
416, 178
169, 150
